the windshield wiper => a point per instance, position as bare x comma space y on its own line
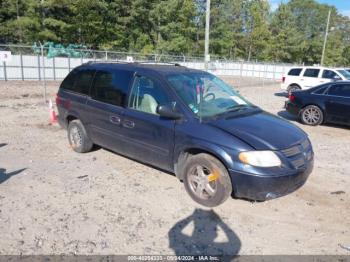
234, 109
237, 108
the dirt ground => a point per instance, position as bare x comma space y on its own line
55, 201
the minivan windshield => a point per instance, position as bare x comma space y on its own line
345, 73
207, 95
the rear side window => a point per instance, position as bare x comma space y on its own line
68, 82
295, 72
328, 74
78, 81
311, 72
321, 90
83, 81
111, 86
340, 90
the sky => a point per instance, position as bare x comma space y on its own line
342, 5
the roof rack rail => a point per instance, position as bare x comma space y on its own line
127, 62
108, 61
158, 63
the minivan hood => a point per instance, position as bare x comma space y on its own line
262, 130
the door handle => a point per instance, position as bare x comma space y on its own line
128, 124
114, 120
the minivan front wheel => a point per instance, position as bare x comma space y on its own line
312, 115
78, 138
206, 180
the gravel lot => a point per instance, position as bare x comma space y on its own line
55, 201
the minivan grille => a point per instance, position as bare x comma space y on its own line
300, 154
295, 150
298, 163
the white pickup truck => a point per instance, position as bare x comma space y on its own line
298, 78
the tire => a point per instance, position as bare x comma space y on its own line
206, 180
293, 88
78, 138
312, 115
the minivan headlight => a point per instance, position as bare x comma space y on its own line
260, 158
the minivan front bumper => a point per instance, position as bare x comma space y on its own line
260, 188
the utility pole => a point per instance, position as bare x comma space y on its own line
325, 37
43, 66
20, 27
17, 9
207, 25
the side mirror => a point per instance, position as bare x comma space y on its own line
168, 112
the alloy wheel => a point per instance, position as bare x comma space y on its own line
311, 115
76, 137
202, 182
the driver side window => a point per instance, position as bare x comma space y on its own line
146, 95
328, 74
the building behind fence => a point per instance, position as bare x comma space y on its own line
26, 64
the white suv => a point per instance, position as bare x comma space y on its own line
306, 77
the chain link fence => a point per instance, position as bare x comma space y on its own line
28, 63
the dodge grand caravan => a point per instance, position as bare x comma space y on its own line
187, 122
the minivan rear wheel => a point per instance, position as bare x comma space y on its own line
78, 138
312, 115
206, 180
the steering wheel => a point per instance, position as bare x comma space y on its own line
212, 95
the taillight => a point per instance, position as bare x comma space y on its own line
283, 79
67, 104
63, 102
58, 100
291, 97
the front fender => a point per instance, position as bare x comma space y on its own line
225, 155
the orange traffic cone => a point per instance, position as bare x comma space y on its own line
53, 116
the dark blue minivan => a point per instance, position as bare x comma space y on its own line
187, 122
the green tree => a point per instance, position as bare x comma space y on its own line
239, 29
257, 29
226, 28
174, 21
56, 21
298, 30
116, 25
19, 22
285, 40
